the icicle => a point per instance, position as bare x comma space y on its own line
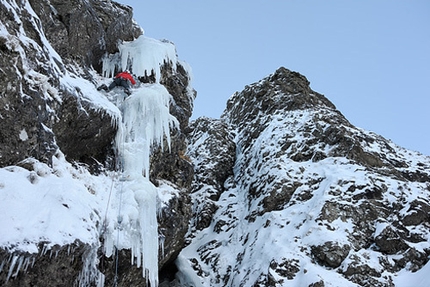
90, 273
44, 249
26, 264
18, 268
12, 267
142, 55
146, 121
161, 239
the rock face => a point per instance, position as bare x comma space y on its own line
300, 197
83, 31
211, 142
34, 103
24, 111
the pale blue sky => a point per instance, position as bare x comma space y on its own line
370, 58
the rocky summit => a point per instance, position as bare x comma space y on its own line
282, 190
288, 193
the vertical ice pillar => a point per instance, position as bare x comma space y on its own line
146, 122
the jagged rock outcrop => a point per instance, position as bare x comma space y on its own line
318, 195
84, 31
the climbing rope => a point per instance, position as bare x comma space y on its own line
119, 216
119, 220
115, 178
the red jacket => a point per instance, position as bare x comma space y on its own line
126, 76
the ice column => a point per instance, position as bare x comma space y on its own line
146, 122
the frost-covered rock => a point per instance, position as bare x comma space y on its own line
212, 147
312, 200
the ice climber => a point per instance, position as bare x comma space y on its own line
123, 79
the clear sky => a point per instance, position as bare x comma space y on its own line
370, 58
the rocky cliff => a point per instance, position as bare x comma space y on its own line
280, 191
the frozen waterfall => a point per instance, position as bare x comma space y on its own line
146, 122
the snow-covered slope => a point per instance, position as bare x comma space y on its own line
311, 201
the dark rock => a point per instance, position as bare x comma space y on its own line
283, 91
358, 268
216, 156
417, 213
40, 117
81, 32
317, 284
286, 138
286, 268
204, 214
279, 196
25, 103
59, 266
119, 272
85, 31
172, 226
330, 254
177, 83
217, 151
23, 128
412, 259
390, 242
83, 133
171, 163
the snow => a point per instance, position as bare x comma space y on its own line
23, 135
419, 278
30, 202
86, 91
